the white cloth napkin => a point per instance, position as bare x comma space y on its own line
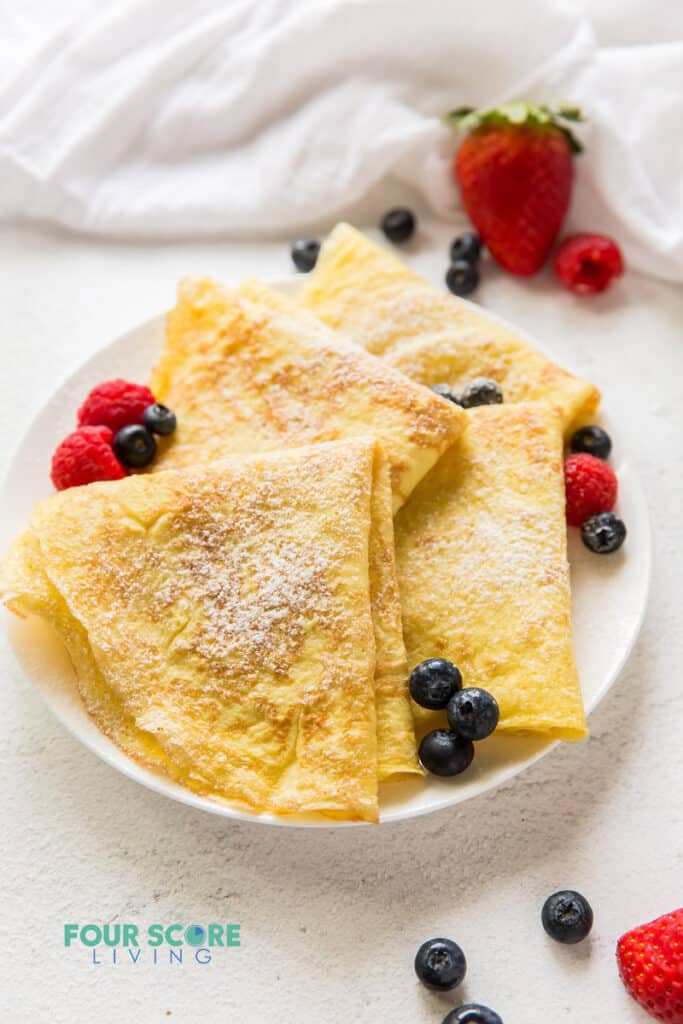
160, 118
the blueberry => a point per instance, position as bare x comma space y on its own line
398, 224
593, 440
440, 964
445, 753
446, 391
433, 683
134, 446
159, 419
473, 713
462, 277
466, 247
603, 533
567, 916
481, 391
305, 254
472, 1013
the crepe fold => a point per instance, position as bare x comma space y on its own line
483, 572
235, 626
366, 292
248, 370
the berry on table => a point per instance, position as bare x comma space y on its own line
650, 961
83, 457
305, 254
567, 916
592, 440
443, 752
433, 682
473, 713
440, 964
472, 1013
466, 247
159, 419
603, 533
587, 263
481, 391
398, 224
446, 391
115, 404
134, 446
462, 277
590, 487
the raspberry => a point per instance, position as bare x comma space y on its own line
587, 263
590, 486
115, 404
84, 456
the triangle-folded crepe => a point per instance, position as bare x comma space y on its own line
248, 370
234, 626
483, 573
366, 292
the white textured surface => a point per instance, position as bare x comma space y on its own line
331, 920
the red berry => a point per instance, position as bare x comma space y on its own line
590, 486
587, 264
115, 404
650, 960
84, 456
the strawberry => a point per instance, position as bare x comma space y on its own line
650, 962
515, 171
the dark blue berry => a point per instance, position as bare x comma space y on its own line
466, 247
433, 683
305, 254
472, 1013
159, 419
473, 713
446, 391
445, 753
603, 533
593, 440
134, 446
481, 391
567, 916
462, 277
398, 224
440, 964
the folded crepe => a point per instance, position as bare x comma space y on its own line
235, 626
366, 292
483, 573
248, 370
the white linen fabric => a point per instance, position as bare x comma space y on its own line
162, 118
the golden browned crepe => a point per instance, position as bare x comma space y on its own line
248, 370
223, 624
483, 573
366, 292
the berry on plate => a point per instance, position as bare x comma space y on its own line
466, 247
115, 404
592, 440
443, 752
515, 171
587, 263
305, 254
446, 391
603, 533
481, 391
159, 419
398, 224
83, 457
440, 964
433, 683
590, 487
567, 916
134, 446
473, 713
472, 1013
462, 277
650, 960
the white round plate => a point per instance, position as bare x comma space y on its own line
609, 599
